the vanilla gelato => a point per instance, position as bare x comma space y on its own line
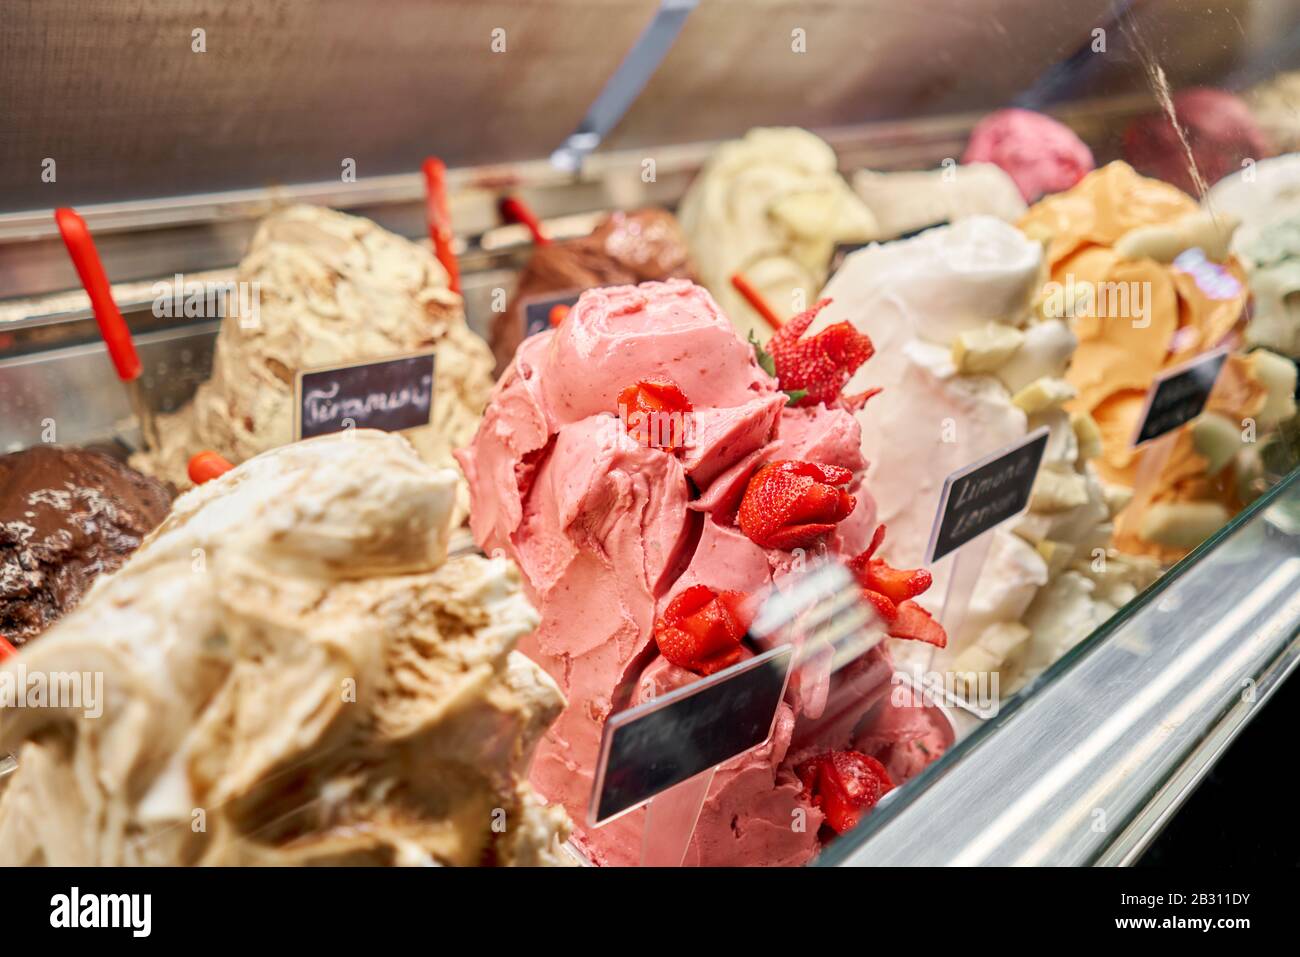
292, 673
905, 202
771, 206
334, 289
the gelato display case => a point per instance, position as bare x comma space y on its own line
644, 432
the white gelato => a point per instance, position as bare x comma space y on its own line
969, 363
771, 206
291, 662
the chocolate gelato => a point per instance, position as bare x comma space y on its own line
66, 517
624, 249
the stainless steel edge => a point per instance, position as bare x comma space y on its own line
1087, 769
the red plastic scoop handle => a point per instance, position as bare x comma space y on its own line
515, 210
435, 197
755, 299
111, 324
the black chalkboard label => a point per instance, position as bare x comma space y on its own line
391, 395
1179, 395
648, 749
537, 310
986, 494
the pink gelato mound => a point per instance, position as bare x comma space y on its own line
607, 532
1040, 154
1220, 132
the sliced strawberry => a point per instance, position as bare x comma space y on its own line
6, 649
702, 630
883, 605
845, 785
790, 504
899, 584
891, 590
916, 623
815, 370
656, 413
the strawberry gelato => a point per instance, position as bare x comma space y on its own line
1041, 154
643, 556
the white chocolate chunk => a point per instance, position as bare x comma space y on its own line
1278, 375
1182, 524
1043, 394
1217, 438
984, 350
1087, 434
1046, 350
1164, 242
1056, 491
998, 647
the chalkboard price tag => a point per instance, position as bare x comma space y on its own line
984, 495
650, 748
537, 310
390, 394
1179, 395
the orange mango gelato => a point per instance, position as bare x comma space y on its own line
1147, 282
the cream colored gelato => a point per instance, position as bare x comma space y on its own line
970, 359
1266, 200
904, 202
1275, 105
292, 673
771, 206
333, 289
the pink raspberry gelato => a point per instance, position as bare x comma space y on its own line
608, 531
1040, 154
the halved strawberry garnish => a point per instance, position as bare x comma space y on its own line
656, 413
701, 630
790, 504
916, 623
815, 370
845, 785
891, 590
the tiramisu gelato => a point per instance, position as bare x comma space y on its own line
67, 516
333, 289
1041, 154
624, 248
770, 206
1161, 288
907, 202
653, 481
289, 671
1217, 136
971, 359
